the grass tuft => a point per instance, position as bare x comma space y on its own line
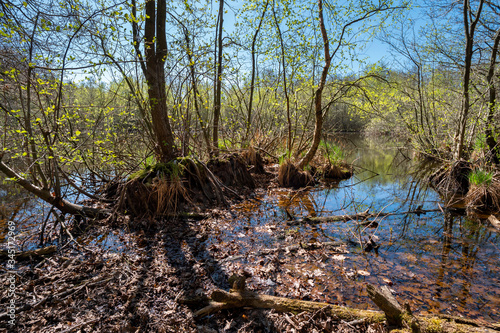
480, 178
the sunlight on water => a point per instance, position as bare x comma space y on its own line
437, 261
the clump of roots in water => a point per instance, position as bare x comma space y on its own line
289, 175
452, 178
254, 159
156, 190
484, 191
232, 170
329, 164
327, 169
164, 189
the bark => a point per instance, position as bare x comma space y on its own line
218, 81
469, 43
285, 88
254, 66
246, 298
318, 106
195, 90
394, 312
490, 140
155, 45
221, 299
494, 221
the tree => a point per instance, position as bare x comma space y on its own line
368, 10
155, 49
470, 29
218, 78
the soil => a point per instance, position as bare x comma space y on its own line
142, 284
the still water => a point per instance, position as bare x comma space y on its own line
437, 261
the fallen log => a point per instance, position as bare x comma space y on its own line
401, 316
394, 314
353, 217
247, 298
494, 221
29, 254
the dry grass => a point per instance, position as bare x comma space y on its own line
452, 178
290, 176
484, 196
168, 194
253, 158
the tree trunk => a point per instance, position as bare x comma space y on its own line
155, 46
285, 88
469, 43
490, 140
318, 108
252, 82
218, 80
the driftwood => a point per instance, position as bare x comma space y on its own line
393, 313
245, 298
29, 254
348, 217
401, 316
494, 221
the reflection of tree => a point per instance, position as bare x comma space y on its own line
298, 202
445, 252
15, 205
472, 236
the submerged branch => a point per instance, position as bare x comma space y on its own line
44, 194
357, 216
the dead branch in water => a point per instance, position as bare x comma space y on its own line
394, 314
350, 217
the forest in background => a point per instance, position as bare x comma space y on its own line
101, 84
141, 115
105, 88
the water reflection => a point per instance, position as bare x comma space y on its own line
18, 206
438, 261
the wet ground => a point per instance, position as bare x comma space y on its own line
437, 261
440, 262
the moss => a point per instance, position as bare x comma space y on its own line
172, 169
434, 325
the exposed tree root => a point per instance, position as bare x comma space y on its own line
165, 188
232, 170
253, 158
452, 178
348, 217
484, 197
335, 171
289, 175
